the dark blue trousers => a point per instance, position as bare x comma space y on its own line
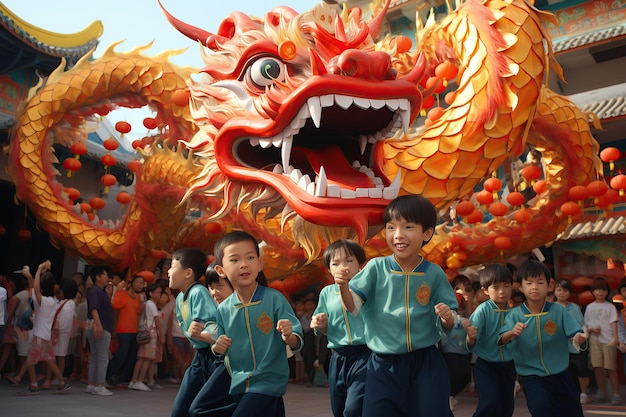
552, 396
415, 384
495, 382
255, 404
204, 388
346, 378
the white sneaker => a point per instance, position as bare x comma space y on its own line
584, 399
101, 391
131, 385
89, 389
140, 386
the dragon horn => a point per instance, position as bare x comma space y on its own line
190, 31
376, 23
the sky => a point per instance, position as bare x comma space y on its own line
139, 22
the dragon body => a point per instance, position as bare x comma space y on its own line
301, 131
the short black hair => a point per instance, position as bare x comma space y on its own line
412, 208
494, 274
192, 258
69, 288
210, 275
230, 239
150, 288
600, 283
349, 247
95, 271
565, 284
533, 269
47, 283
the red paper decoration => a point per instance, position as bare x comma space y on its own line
618, 183
540, 187
531, 173
464, 208
150, 123
498, 209
123, 127
71, 165
72, 193
97, 203
181, 97
578, 193
610, 155
123, 197
515, 198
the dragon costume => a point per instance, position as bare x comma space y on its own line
303, 127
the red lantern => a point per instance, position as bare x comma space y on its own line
403, 43
503, 243
498, 209
493, 185
449, 97
85, 208
136, 143
597, 189
585, 298
110, 144
515, 198
123, 197
108, 160
464, 208
71, 165
181, 97
428, 102
78, 148
212, 227
570, 209
531, 173
578, 192
150, 123
23, 234
97, 203
108, 180
135, 166
123, 127
540, 187
446, 71
522, 216
484, 197
72, 193
475, 216
618, 183
610, 155
435, 113
611, 197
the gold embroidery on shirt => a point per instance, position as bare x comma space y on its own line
549, 327
264, 323
423, 294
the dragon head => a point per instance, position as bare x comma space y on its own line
292, 111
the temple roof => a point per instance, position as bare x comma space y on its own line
23, 45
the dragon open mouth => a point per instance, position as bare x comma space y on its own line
327, 149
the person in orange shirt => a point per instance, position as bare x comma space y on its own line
126, 301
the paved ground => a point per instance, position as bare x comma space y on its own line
299, 402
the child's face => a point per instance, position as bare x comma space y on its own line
240, 264
535, 288
163, 300
343, 264
600, 294
156, 295
561, 294
405, 239
500, 292
179, 277
220, 290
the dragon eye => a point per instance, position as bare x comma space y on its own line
265, 71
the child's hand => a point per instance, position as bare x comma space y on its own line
319, 321
342, 276
445, 313
195, 328
622, 347
580, 338
518, 328
285, 328
222, 344
470, 330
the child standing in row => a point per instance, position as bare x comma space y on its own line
259, 321
404, 300
196, 313
601, 319
494, 371
345, 332
539, 332
579, 360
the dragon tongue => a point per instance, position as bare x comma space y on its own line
338, 169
